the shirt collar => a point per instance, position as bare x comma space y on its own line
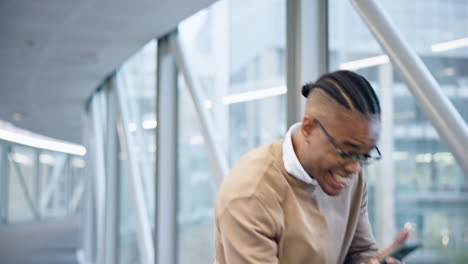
291, 162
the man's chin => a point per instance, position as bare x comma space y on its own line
328, 187
334, 193
330, 191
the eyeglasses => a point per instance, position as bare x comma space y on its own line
363, 159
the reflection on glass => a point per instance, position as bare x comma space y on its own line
195, 189
258, 42
236, 51
431, 188
127, 243
138, 77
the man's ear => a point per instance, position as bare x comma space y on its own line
308, 125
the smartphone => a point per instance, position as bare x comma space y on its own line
402, 251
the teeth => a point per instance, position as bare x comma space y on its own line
340, 179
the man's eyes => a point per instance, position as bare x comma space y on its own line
353, 155
348, 155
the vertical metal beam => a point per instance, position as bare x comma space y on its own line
306, 50
25, 190
55, 197
99, 170
111, 233
37, 177
145, 243
294, 101
88, 203
438, 108
2, 183
385, 185
166, 202
218, 158
60, 192
67, 183
5, 182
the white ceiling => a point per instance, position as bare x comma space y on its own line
54, 53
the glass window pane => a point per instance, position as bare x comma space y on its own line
257, 75
236, 52
138, 77
195, 189
127, 241
431, 188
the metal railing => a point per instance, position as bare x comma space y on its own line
37, 184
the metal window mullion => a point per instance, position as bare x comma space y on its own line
306, 50
145, 243
438, 108
5, 182
99, 171
166, 155
37, 177
25, 189
218, 158
293, 59
88, 203
68, 185
111, 220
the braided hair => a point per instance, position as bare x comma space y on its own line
349, 89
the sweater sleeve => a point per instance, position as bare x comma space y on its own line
363, 246
246, 233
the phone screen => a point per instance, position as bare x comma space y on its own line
402, 251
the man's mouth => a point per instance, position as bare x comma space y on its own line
340, 181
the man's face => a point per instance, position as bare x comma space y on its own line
352, 133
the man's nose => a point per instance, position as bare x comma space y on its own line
353, 167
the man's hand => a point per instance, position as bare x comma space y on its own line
400, 239
371, 261
391, 260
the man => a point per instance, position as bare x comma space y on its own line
303, 199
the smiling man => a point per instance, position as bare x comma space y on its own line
303, 199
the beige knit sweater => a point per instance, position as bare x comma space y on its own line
265, 215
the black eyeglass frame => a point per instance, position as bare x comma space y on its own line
365, 159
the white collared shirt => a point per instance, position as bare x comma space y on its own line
291, 162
